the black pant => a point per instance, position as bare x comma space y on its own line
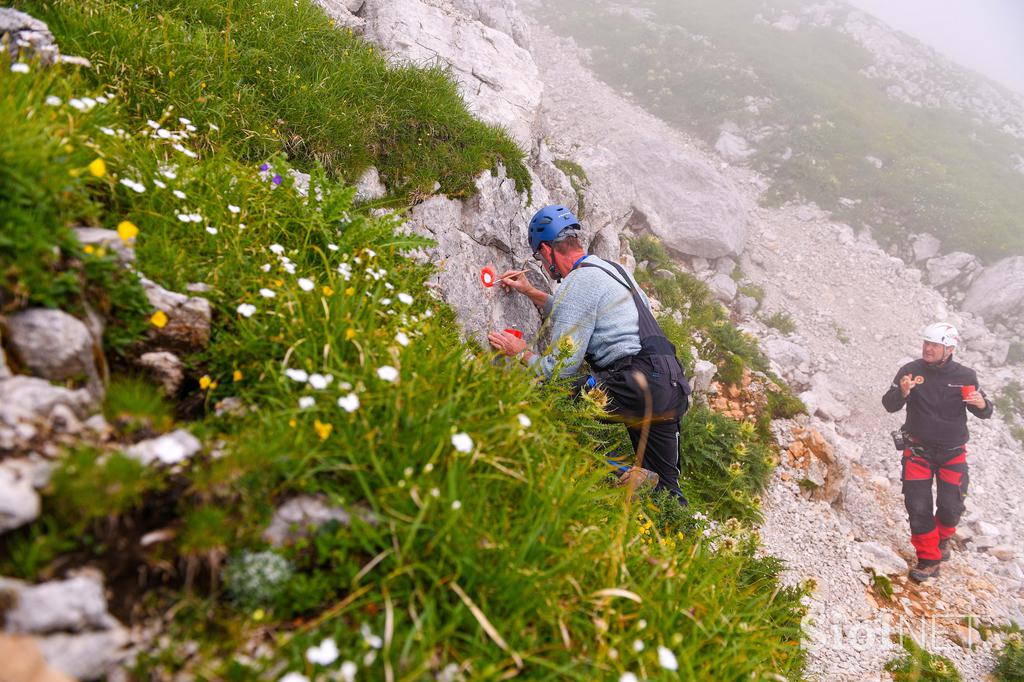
650, 404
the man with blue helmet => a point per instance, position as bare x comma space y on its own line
605, 318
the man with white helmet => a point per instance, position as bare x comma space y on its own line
938, 392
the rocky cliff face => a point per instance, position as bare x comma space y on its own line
692, 207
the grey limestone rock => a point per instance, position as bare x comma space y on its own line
171, 448
188, 319
19, 501
882, 559
998, 292
56, 346
164, 367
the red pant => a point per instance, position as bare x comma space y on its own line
929, 524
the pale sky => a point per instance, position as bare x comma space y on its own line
984, 35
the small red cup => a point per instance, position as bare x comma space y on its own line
966, 391
515, 332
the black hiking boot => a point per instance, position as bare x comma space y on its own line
945, 549
925, 570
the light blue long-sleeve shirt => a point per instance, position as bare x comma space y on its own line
597, 313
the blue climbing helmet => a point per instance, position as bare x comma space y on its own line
548, 223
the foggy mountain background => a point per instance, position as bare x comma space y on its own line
984, 35
830, 104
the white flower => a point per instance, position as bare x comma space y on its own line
212, 230
319, 381
405, 298
306, 402
345, 270
434, 492
667, 659
524, 421
233, 208
277, 248
171, 174
389, 286
298, 375
153, 124
187, 152
462, 442
345, 386
349, 403
267, 293
160, 184
373, 640
83, 104
385, 302
294, 677
402, 339
407, 472
265, 268
305, 284
348, 671
641, 624
20, 67
163, 133
195, 217
213, 126
184, 217
53, 101
325, 654
387, 373
332, 247
246, 309
628, 677
184, 121
456, 505
178, 193
369, 658
103, 129
638, 646
131, 184
289, 268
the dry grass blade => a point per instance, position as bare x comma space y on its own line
618, 592
486, 624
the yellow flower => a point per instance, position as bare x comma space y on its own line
205, 382
258, 614
127, 231
101, 252
202, 86
292, 423
236, 376
350, 291
98, 168
89, 248
327, 290
159, 319
322, 430
350, 334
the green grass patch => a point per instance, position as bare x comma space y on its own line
133, 404
918, 665
782, 321
1010, 660
277, 76
579, 181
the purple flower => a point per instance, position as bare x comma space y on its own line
265, 167
277, 179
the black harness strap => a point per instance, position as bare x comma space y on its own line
654, 345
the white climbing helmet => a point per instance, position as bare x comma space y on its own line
941, 332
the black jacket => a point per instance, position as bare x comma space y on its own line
936, 412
